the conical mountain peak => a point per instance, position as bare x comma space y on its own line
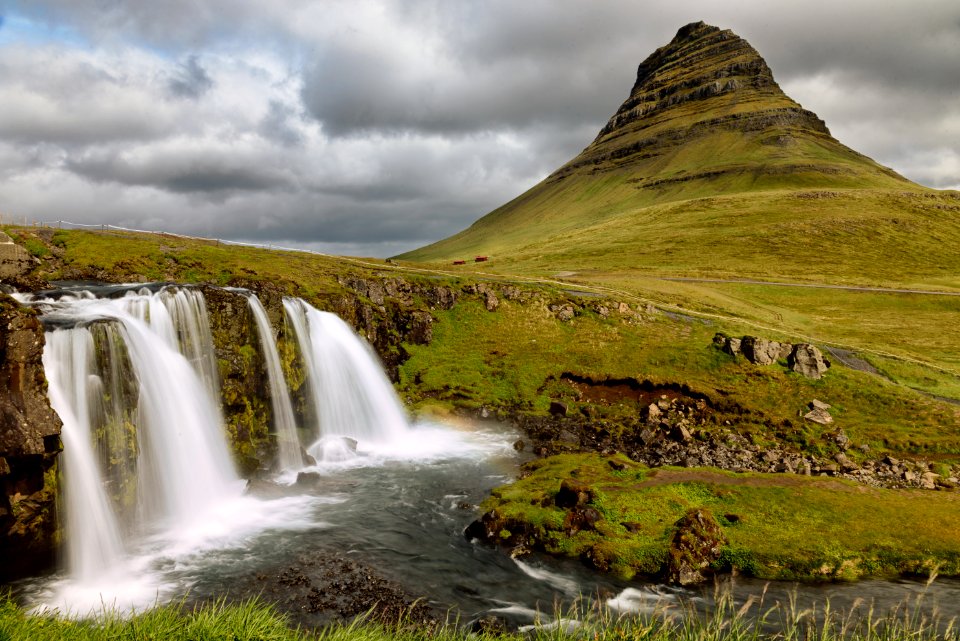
704, 119
706, 81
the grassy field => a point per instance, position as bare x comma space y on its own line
767, 518
473, 361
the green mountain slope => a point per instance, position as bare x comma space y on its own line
709, 168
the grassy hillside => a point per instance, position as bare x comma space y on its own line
856, 236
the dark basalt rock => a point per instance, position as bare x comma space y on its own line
580, 518
29, 445
323, 586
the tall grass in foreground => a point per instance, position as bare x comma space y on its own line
253, 620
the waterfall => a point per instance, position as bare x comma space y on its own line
288, 444
169, 421
185, 466
179, 317
350, 394
146, 464
93, 545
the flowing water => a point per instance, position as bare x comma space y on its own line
350, 395
397, 496
284, 423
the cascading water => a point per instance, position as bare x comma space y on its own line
163, 427
349, 392
288, 443
93, 545
185, 466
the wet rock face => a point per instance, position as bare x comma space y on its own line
29, 444
242, 374
696, 545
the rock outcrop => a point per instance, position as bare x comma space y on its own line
15, 261
29, 444
803, 358
807, 360
696, 545
761, 351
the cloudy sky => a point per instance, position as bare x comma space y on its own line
370, 127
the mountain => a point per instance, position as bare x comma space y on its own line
706, 153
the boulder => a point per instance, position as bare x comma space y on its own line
928, 480
440, 297
308, 479
564, 313
732, 346
819, 416
653, 414
421, 328
486, 293
807, 360
579, 519
696, 545
761, 351
680, 434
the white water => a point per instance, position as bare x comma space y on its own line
350, 394
284, 423
185, 476
93, 547
185, 466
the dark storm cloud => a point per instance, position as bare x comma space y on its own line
191, 80
180, 172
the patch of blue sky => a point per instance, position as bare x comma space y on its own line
16, 28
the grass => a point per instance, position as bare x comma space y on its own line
473, 361
857, 236
754, 620
248, 621
767, 518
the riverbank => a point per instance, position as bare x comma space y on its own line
685, 525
